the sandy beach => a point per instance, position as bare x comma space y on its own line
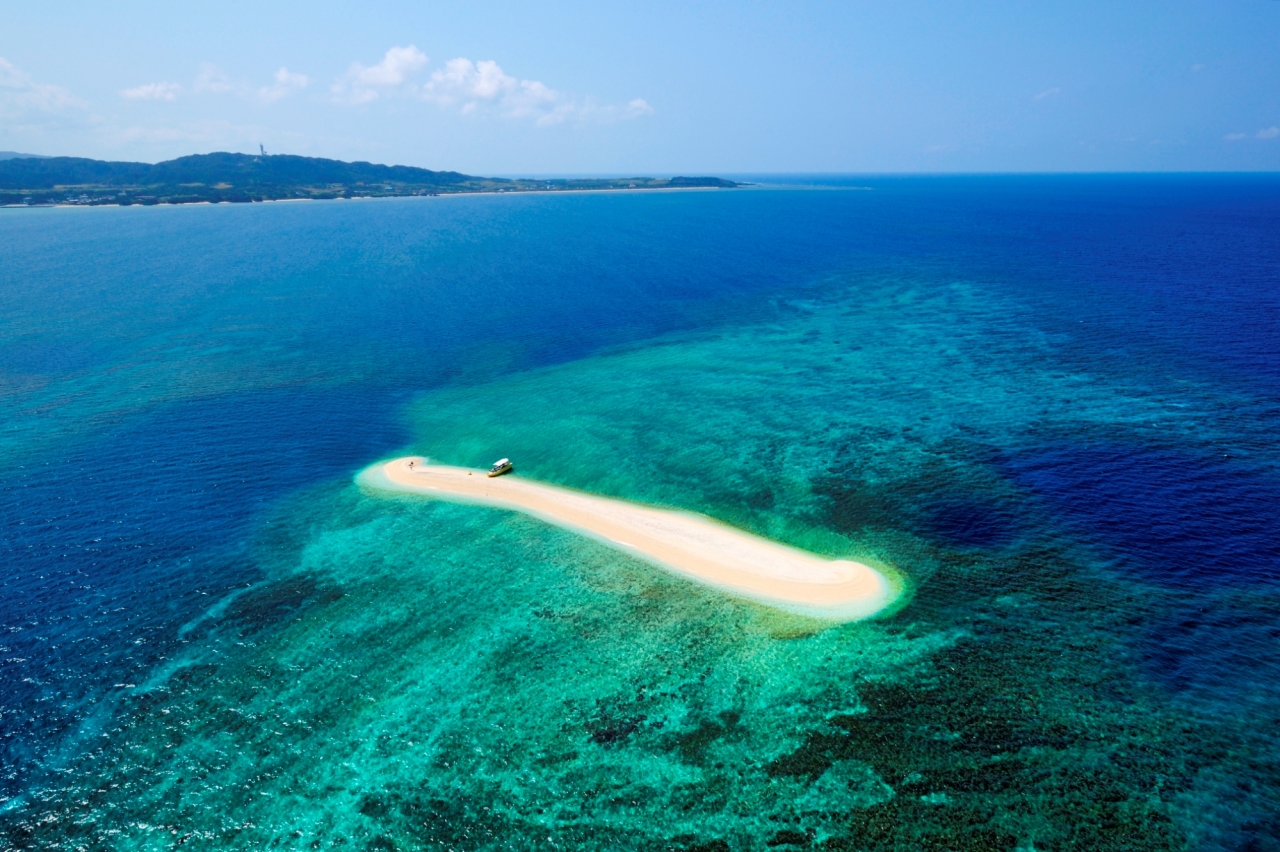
690, 545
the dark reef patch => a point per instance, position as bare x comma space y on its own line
956, 500
788, 837
692, 745
609, 733
966, 523
1223, 646
1029, 729
709, 846
272, 603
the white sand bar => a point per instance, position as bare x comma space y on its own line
684, 543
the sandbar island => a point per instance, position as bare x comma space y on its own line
690, 545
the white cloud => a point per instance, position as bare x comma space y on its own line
588, 110
483, 85
473, 88
464, 80
152, 92
286, 84
635, 108
365, 83
212, 79
1047, 93
394, 69
18, 92
1265, 133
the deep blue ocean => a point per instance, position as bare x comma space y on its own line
1049, 403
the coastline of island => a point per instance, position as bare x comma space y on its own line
689, 545
29, 181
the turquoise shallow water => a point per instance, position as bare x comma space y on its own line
1048, 403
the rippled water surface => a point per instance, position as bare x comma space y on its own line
1049, 403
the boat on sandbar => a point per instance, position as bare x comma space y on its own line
501, 466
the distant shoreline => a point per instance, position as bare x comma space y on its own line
244, 179
656, 189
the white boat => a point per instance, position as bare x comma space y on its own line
500, 467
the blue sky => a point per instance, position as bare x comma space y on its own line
657, 88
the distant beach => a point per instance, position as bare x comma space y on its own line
687, 544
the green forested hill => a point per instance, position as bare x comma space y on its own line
244, 177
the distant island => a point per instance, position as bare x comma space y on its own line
216, 178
